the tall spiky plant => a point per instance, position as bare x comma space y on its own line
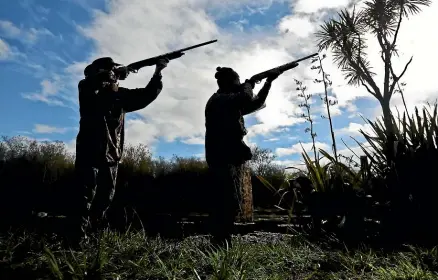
345, 36
307, 115
328, 102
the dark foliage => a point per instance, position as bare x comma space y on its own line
39, 177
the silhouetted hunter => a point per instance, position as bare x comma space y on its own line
226, 152
99, 143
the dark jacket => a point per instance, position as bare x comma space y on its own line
102, 118
225, 126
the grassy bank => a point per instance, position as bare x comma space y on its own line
254, 256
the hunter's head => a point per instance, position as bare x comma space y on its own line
103, 67
227, 79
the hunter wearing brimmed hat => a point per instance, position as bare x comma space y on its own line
225, 150
99, 143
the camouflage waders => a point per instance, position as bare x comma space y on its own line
99, 186
226, 200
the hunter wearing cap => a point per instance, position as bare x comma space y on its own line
99, 143
225, 150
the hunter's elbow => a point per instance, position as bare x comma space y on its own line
156, 94
151, 97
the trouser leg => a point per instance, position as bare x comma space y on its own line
86, 178
104, 194
226, 201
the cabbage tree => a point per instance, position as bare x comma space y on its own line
345, 36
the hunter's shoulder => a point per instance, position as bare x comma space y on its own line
82, 83
213, 97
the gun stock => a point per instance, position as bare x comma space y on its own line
257, 78
135, 66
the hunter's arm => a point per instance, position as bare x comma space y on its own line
137, 99
253, 103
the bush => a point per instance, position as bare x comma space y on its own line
408, 183
39, 177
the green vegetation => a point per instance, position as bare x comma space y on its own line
255, 256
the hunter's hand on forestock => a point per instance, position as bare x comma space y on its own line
161, 64
273, 75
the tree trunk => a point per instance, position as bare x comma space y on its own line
246, 215
387, 119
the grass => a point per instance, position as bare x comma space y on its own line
133, 255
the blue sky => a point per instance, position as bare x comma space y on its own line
46, 43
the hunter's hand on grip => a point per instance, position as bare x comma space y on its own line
122, 72
251, 82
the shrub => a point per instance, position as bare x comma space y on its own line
39, 177
408, 184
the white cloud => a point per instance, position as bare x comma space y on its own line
298, 148
50, 92
31, 35
349, 156
258, 129
5, 51
35, 12
291, 165
71, 146
47, 129
353, 129
141, 132
272, 140
312, 6
200, 156
9, 29
48, 87
9, 52
301, 26
194, 141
